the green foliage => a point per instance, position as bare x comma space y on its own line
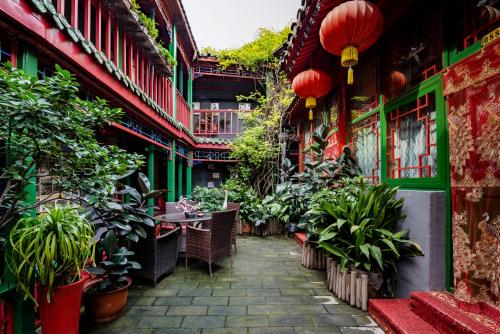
151, 26
255, 53
52, 249
149, 23
44, 124
362, 230
121, 225
252, 146
209, 199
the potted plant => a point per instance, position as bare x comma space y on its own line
120, 225
189, 207
52, 250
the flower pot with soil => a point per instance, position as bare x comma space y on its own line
102, 305
57, 245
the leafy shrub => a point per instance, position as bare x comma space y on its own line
209, 199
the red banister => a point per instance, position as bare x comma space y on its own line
210, 123
183, 111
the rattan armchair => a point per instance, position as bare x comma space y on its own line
157, 254
209, 244
234, 206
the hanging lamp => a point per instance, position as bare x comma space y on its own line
310, 85
349, 29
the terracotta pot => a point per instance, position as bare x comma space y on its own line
105, 306
62, 314
247, 228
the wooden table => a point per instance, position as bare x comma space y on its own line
180, 218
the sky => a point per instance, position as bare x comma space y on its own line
231, 23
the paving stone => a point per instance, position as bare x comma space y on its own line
225, 331
284, 300
290, 320
227, 310
324, 300
267, 309
361, 330
333, 320
209, 321
144, 301
241, 321
297, 292
271, 330
173, 301
247, 285
215, 285
187, 310
230, 292
306, 309
343, 309
247, 300
146, 310
177, 331
317, 330
263, 292
160, 293
210, 300
195, 292
277, 285
364, 320
160, 322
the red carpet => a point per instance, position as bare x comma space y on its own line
433, 312
300, 238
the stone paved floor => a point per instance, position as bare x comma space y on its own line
266, 291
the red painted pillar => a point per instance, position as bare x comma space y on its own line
116, 44
124, 54
107, 48
87, 19
98, 27
344, 109
74, 13
60, 6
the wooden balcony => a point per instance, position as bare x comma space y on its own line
225, 124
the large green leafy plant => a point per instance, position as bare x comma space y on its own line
363, 231
209, 199
120, 226
51, 248
44, 124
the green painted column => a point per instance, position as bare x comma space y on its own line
28, 62
24, 322
180, 78
180, 180
172, 48
171, 174
151, 176
189, 175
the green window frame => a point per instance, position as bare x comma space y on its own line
440, 181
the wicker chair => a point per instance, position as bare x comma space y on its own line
210, 244
234, 206
157, 254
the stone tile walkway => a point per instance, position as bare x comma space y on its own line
266, 291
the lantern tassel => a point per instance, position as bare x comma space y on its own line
311, 115
350, 76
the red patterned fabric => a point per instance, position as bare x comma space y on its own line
472, 87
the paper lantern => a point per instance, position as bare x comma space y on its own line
350, 28
396, 82
310, 85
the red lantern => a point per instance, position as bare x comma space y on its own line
396, 82
350, 28
310, 85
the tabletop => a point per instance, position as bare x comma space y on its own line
181, 218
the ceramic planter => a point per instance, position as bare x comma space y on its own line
105, 306
62, 314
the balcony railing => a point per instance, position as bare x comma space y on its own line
183, 111
217, 123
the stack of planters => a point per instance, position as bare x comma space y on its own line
56, 251
359, 231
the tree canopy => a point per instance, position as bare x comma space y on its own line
252, 54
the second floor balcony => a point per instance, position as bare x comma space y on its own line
224, 124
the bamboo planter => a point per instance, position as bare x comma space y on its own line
313, 258
350, 285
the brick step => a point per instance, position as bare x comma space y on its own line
444, 313
394, 316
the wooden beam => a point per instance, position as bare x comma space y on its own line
116, 44
98, 27
107, 42
60, 6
